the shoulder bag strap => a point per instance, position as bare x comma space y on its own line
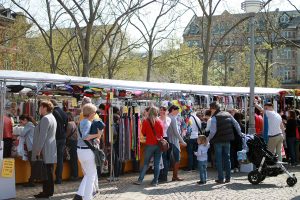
153, 130
86, 142
197, 124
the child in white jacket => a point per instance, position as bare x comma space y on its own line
203, 146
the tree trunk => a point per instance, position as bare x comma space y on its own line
85, 70
149, 67
86, 63
268, 56
226, 73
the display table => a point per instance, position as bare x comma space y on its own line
22, 167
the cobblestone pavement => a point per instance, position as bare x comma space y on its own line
238, 188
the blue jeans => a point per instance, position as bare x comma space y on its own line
192, 146
291, 145
166, 160
222, 153
202, 165
151, 150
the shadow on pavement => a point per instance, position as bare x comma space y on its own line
246, 186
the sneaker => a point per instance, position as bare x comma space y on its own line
219, 181
201, 182
154, 184
95, 193
227, 181
112, 179
137, 183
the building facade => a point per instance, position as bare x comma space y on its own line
277, 43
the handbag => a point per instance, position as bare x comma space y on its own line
67, 149
99, 154
162, 143
39, 169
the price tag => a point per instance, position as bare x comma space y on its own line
8, 167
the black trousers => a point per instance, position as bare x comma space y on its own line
60, 145
8, 142
48, 185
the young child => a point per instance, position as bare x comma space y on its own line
201, 154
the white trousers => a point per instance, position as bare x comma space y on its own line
89, 183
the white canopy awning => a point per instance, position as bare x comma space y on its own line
132, 85
37, 77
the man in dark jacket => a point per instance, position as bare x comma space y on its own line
221, 133
62, 122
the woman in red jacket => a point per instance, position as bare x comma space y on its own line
152, 128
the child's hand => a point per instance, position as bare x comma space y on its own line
196, 153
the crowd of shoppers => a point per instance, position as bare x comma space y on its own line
215, 136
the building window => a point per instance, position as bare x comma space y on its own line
284, 19
285, 53
194, 30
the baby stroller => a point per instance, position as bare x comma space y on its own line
266, 164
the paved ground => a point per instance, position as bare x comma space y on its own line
238, 188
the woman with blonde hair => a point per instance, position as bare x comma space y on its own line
153, 130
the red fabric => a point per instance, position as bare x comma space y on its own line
8, 128
147, 131
297, 134
259, 124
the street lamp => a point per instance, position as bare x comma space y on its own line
252, 7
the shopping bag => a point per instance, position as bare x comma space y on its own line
39, 170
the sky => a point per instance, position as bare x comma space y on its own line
233, 6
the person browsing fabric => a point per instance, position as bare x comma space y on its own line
29, 124
152, 128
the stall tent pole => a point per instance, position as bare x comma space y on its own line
2, 109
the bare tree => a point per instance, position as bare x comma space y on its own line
118, 46
47, 31
156, 30
85, 15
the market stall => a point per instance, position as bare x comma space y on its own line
131, 97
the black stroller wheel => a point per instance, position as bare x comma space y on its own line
291, 181
255, 177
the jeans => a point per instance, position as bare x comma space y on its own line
291, 145
151, 150
222, 153
48, 185
60, 145
166, 161
202, 165
89, 183
72, 144
192, 146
